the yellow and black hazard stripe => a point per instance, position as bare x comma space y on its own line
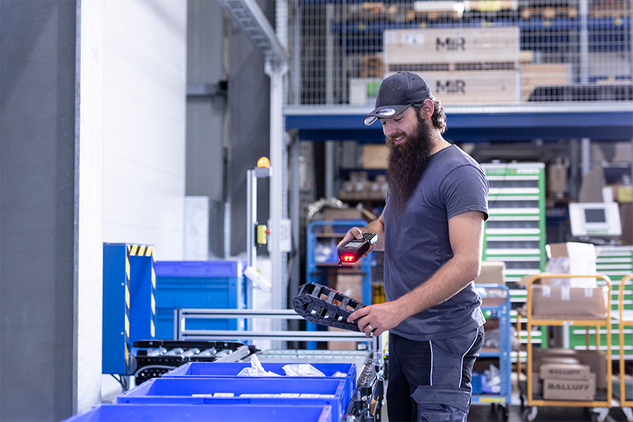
141, 250
153, 299
147, 251
127, 308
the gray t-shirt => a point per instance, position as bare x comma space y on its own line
417, 243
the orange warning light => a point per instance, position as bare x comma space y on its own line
263, 162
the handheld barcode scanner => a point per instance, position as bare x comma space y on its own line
354, 249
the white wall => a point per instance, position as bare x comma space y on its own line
144, 124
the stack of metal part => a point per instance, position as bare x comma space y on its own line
156, 357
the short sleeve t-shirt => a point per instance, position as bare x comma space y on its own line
417, 243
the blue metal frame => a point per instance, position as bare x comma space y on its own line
311, 264
477, 124
502, 312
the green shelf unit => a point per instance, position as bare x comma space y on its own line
515, 230
577, 340
616, 262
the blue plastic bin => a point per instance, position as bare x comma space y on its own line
241, 391
476, 382
229, 369
210, 413
198, 284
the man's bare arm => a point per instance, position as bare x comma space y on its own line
466, 237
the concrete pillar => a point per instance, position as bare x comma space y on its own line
50, 208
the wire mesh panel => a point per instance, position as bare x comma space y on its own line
470, 52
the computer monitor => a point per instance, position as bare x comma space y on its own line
595, 219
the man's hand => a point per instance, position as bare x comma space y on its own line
355, 233
376, 319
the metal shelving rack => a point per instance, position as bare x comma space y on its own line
319, 270
501, 311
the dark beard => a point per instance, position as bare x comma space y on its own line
406, 164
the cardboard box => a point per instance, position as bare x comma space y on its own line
571, 258
556, 180
492, 272
375, 156
540, 74
596, 359
350, 285
569, 389
450, 45
564, 370
330, 214
473, 86
564, 302
560, 360
341, 345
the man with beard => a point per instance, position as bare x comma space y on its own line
431, 231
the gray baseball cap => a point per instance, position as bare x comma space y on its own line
397, 93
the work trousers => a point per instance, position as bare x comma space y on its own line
430, 381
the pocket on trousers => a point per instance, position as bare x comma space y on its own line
441, 405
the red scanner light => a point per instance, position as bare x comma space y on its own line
347, 258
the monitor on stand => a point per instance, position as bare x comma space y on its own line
595, 222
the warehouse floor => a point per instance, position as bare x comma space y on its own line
485, 412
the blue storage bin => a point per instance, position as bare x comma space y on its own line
198, 284
241, 391
230, 369
210, 413
476, 382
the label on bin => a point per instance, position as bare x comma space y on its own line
224, 395
214, 395
287, 395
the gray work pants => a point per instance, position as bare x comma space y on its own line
430, 381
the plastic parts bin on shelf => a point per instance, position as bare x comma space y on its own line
198, 284
229, 369
207, 413
241, 391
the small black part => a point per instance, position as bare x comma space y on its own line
316, 304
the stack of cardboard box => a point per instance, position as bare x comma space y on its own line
564, 374
567, 381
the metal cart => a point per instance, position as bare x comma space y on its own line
625, 319
601, 404
498, 307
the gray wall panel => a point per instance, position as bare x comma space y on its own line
249, 127
206, 136
37, 123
